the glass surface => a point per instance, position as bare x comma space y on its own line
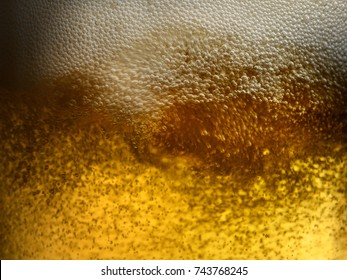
229, 154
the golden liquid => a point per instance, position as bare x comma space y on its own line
73, 188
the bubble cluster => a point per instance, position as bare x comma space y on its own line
72, 189
53, 39
173, 129
212, 96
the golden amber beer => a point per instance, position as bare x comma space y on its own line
173, 129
